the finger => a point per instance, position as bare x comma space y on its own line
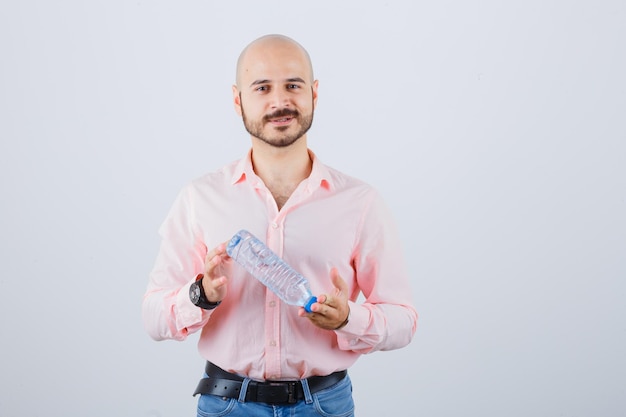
341, 288
321, 299
214, 252
219, 283
215, 256
321, 309
212, 263
338, 282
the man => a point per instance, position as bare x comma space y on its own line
261, 353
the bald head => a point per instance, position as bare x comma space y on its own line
268, 48
275, 92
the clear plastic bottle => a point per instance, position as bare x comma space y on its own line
270, 269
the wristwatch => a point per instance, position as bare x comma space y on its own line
198, 297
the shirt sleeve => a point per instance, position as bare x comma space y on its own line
386, 320
167, 311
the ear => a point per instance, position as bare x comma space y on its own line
314, 91
237, 100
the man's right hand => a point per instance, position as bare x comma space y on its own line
214, 282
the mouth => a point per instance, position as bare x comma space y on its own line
282, 117
280, 121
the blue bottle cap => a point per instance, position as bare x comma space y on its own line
232, 244
307, 306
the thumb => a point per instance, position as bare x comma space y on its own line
338, 282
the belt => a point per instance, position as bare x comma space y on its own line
229, 385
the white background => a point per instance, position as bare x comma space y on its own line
495, 129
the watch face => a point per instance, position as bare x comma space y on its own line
194, 293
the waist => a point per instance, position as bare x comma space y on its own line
226, 384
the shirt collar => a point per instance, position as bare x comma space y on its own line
320, 175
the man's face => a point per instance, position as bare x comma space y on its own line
275, 95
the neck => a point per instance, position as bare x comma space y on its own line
281, 169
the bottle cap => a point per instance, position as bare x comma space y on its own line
232, 244
307, 306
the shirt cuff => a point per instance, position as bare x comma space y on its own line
358, 319
187, 314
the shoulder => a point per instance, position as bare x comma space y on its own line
343, 182
218, 178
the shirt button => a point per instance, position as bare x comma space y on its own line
273, 343
274, 226
272, 303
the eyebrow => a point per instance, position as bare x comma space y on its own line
289, 80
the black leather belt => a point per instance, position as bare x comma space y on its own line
226, 384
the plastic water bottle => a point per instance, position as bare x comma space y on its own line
273, 272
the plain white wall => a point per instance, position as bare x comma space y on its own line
496, 131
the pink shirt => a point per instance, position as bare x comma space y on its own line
331, 220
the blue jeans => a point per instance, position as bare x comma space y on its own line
334, 401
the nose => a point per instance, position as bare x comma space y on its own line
279, 99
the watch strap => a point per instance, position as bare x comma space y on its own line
203, 302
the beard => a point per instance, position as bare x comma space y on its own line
280, 138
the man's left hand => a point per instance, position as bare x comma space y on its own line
331, 311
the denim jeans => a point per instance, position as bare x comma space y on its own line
334, 401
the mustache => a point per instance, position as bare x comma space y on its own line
281, 113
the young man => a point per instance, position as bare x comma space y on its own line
261, 353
